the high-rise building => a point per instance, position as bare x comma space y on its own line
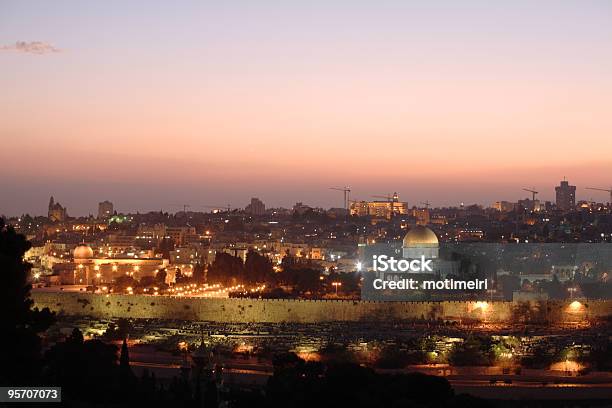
257, 207
105, 209
566, 196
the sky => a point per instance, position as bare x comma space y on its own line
153, 104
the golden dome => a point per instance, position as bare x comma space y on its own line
83, 251
420, 236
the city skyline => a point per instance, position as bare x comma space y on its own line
543, 195
306, 203
151, 105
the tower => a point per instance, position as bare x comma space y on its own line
105, 209
56, 212
565, 196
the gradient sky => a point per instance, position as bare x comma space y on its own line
155, 104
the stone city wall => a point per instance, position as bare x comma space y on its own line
312, 311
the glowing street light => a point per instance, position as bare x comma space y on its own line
336, 284
575, 306
482, 305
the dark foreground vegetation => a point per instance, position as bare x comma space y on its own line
297, 383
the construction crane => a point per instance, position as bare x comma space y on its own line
426, 203
533, 192
347, 194
602, 189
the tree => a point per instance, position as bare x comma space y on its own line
257, 268
124, 282
146, 282
472, 351
302, 274
179, 277
302, 279
199, 272
226, 269
20, 325
393, 357
85, 370
349, 280
306, 384
160, 277
127, 380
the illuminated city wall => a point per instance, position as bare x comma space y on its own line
312, 311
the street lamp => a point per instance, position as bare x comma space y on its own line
336, 284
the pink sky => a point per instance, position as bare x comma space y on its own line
204, 104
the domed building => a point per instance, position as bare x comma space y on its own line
83, 251
89, 267
420, 241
